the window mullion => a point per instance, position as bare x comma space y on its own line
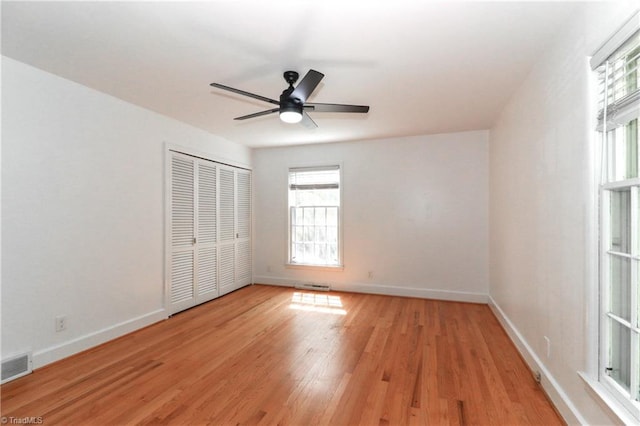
622, 184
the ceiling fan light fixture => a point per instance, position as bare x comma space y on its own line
291, 106
291, 114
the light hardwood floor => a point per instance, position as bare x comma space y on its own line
274, 355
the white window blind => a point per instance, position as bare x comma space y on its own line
314, 178
619, 86
314, 216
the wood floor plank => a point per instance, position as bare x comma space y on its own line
273, 355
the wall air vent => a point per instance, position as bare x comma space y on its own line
16, 366
313, 286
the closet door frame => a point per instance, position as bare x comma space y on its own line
220, 162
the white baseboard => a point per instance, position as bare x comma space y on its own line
558, 396
454, 296
82, 343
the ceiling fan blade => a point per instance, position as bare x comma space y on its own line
337, 108
307, 85
307, 121
242, 92
258, 114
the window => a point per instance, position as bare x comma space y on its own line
314, 216
619, 110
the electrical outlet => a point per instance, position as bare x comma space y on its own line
61, 323
370, 275
537, 376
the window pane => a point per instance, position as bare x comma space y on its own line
308, 252
308, 216
637, 237
637, 287
637, 363
620, 221
332, 234
623, 151
322, 234
321, 251
308, 234
631, 139
320, 215
299, 217
620, 354
333, 252
332, 216
620, 290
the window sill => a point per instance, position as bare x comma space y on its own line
337, 268
608, 400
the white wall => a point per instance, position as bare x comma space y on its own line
542, 214
415, 213
83, 211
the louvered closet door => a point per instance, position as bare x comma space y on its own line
182, 227
206, 250
226, 229
243, 228
210, 230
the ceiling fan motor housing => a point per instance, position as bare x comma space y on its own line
288, 103
291, 77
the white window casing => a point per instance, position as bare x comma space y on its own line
618, 374
314, 217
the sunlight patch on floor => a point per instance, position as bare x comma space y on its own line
316, 302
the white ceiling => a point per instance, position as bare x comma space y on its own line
424, 67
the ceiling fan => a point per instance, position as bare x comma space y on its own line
292, 106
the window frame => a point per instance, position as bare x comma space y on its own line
311, 266
618, 392
624, 404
